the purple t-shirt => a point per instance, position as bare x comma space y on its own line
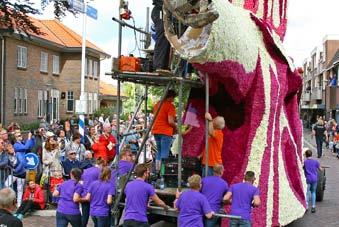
214, 188
192, 207
311, 170
99, 191
66, 205
242, 197
124, 167
137, 193
88, 177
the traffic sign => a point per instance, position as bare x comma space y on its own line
32, 161
80, 106
77, 5
92, 12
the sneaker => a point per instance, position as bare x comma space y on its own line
20, 216
313, 210
15, 214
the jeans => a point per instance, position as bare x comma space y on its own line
212, 222
240, 223
209, 171
26, 206
101, 221
311, 193
319, 141
62, 220
85, 213
132, 223
20, 183
163, 146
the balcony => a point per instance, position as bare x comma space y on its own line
317, 93
307, 96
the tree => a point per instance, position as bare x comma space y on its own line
14, 14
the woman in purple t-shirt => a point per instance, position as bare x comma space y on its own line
192, 205
311, 167
68, 205
100, 194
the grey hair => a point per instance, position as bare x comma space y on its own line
7, 198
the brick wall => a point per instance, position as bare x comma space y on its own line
33, 80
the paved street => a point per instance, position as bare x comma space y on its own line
326, 215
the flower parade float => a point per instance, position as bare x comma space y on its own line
254, 86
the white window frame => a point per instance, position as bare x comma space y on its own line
95, 69
43, 62
56, 65
95, 101
42, 98
21, 57
89, 67
24, 101
90, 103
16, 99
68, 99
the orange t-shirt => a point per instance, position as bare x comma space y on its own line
161, 125
214, 149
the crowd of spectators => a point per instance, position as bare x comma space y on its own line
60, 149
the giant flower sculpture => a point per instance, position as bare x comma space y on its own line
254, 86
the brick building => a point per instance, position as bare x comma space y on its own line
40, 74
320, 82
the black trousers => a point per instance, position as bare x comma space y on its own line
133, 223
162, 46
85, 213
26, 206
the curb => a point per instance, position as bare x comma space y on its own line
44, 213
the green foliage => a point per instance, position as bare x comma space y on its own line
14, 14
30, 126
107, 111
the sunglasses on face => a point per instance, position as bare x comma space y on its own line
72, 153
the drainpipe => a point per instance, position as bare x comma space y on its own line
2, 112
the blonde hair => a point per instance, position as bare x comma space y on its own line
105, 174
194, 181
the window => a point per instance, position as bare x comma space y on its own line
70, 101
24, 101
21, 58
95, 69
90, 107
16, 99
43, 62
42, 99
56, 65
95, 101
89, 67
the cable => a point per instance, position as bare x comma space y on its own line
136, 39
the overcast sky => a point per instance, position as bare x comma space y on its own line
309, 22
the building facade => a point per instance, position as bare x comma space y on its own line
320, 82
40, 74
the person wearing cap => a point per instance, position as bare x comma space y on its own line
76, 146
88, 161
70, 163
164, 127
19, 174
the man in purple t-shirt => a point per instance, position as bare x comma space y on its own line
214, 188
192, 205
243, 196
311, 167
138, 193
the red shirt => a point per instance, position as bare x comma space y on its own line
161, 125
104, 140
100, 150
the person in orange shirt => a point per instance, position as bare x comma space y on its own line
215, 141
164, 127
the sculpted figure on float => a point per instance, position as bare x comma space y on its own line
254, 85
